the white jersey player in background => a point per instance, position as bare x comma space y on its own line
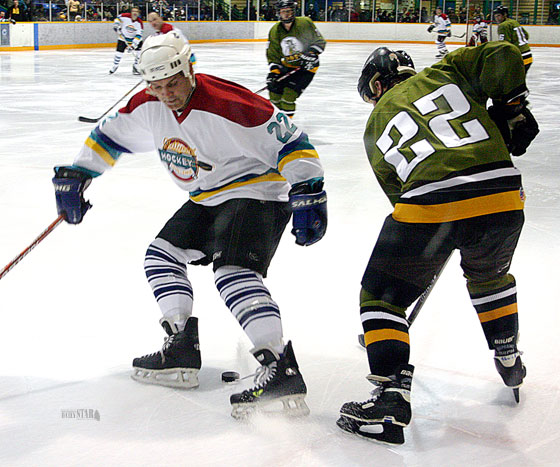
161, 27
129, 28
246, 167
479, 32
442, 27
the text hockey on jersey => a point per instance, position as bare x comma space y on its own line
228, 143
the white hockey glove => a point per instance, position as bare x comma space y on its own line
309, 60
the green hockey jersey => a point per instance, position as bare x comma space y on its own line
511, 31
284, 47
433, 147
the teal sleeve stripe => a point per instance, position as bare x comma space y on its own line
105, 144
300, 144
92, 173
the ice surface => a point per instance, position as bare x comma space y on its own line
78, 309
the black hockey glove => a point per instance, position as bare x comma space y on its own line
309, 206
524, 129
431, 28
272, 81
309, 60
517, 126
69, 186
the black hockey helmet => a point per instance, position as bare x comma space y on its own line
282, 4
501, 10
386, 66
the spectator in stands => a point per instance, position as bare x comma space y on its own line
16, 12
73, 9
312, 12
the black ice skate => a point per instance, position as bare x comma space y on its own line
382, 417
277, 380
177, 363
508, 362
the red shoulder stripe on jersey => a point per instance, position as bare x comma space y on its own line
125, 15
444, 16
229, 100
136, 101
165, 28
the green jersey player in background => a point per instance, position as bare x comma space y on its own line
443, 162
294, 45
511, 31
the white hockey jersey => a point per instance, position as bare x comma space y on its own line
129, 29
228, 143
480, 28
442, 25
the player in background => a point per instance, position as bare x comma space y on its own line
442, 27
246, 168
129, 28
161, 27
452, 186
293, 44
479, 32
511, 31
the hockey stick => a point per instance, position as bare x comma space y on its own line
280, 79
95, 120
451, 35
35, 242
420, 302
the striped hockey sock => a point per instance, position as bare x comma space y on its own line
496, 305
250, 302
166, 270
385, 334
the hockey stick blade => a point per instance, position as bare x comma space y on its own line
459, 37
88, 120
95, 120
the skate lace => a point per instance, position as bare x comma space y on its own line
167, 342
375, 393
263, 375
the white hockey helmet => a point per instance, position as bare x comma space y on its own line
165, 55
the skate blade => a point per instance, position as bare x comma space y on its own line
182, 378
384, 433
516, 394
292, 406
387, 419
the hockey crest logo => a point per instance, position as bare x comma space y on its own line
291, 46
130, 29
181, 160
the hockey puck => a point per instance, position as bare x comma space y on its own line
230, 376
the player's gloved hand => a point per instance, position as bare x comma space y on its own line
309, 60
524, 129
272, 79
431, 28
69, 186
12, 20
135, 43
448, 34
516, 124
117, 28
309, 206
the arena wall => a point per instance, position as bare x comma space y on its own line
41, 36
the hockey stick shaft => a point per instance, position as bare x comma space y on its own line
35, 242
422, 299
282, 78
420, 302
95, 120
